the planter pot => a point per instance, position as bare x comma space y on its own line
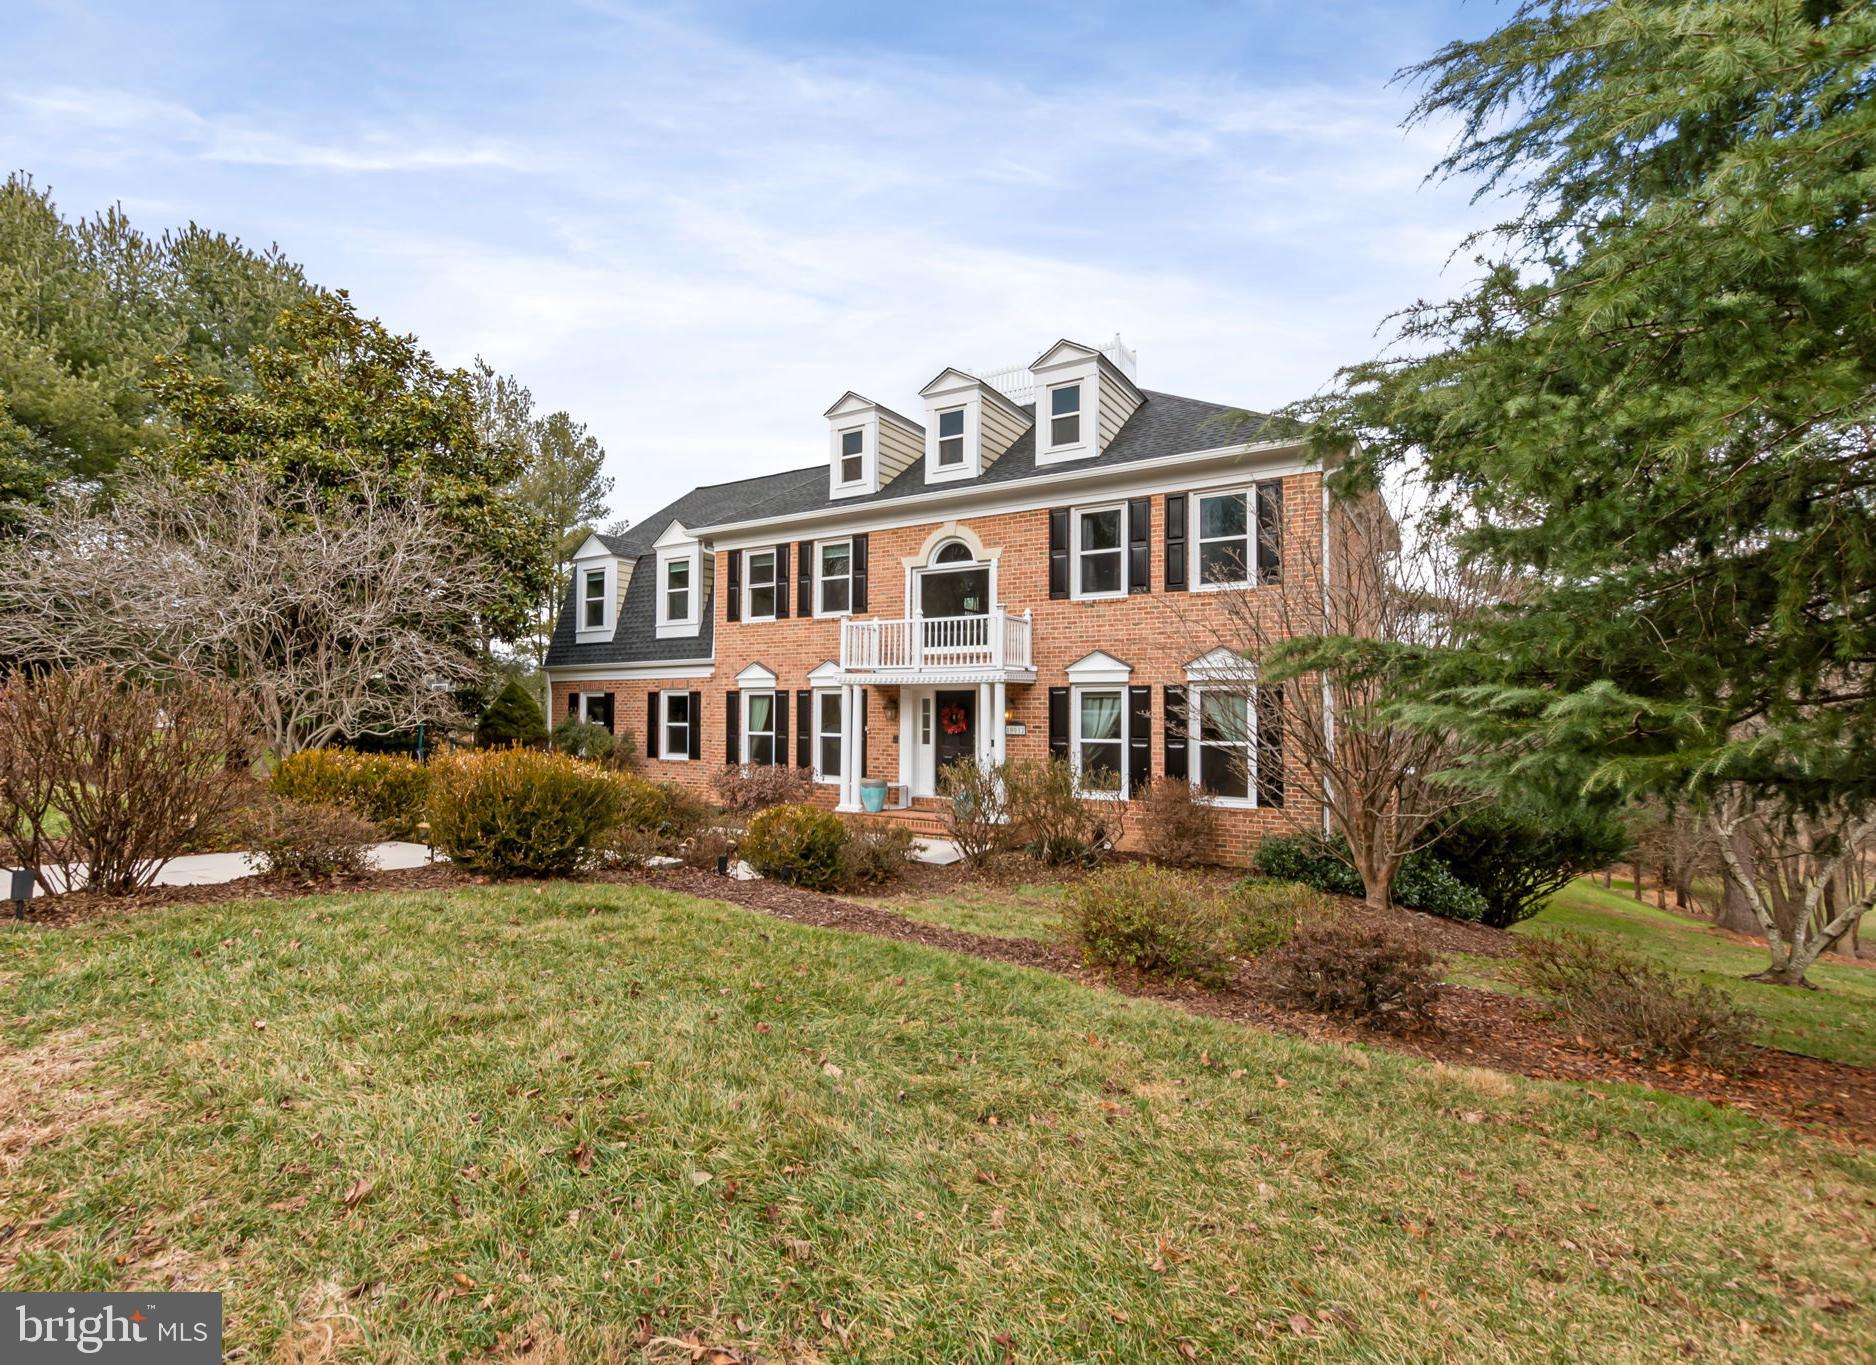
873, 795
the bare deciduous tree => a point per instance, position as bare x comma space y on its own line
332, 616
1804, 876
1329, 644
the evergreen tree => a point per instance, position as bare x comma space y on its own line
1659, 405
514, 717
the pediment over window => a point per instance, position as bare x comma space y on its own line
827, 675
1221, 665
1099, 667
756, 676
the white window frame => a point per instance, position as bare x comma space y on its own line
837, 734
1119, 690
1075, 552
589, 599
665, 723
579, 710
1080, 414
1196, 746
820, 607
841, 457
692, 560
1199, 583
750, 585
963, 439
777, 758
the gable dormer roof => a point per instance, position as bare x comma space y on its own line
1064, 349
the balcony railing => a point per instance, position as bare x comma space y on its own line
938, 643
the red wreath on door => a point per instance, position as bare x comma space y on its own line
955, 719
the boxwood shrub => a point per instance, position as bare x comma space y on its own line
390, 790
522, 812
796, 843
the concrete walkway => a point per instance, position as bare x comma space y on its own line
211, 869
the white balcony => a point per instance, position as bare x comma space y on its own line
939, 648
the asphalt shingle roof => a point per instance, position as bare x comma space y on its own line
1163, 425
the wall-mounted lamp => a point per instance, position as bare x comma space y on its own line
1009, 714
892, 708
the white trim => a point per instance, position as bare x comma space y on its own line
1195, 746
814, 571
1119, 509
1099, 669
1195, 538
773, 549
664, 725
608, 569
827, 674
816, 734
777, 759
691, 623
1075, 694
1022, 495
1086, 410
757, 676
1221, 665
653, 671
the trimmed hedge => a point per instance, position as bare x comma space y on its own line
796, 843
522, 812
389, 790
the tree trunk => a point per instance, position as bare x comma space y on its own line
1608, 876
1735, 912
1636, 869
1783, 974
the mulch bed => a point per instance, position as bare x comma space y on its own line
1477, 1028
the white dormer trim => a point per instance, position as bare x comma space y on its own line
1221, 665
1097, 668
756, 677
1095, 380
875, 425
595, 556
677, 546
954, 391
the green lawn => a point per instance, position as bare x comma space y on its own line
1836, 1021
420, 1122
1026, 911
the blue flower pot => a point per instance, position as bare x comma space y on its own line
872, 795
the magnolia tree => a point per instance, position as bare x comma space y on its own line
333, 614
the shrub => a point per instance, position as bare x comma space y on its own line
707, 847
1633, 1005
974, 812
390, 790
643, 805
1515, 859
875, 853
1264, 914
1359, 973
1423, 882
521, 812
133, 769
292, 839
1179, 829
514, 717
583, 739
745, 788
796, 843
1151, 919
629, 846
1054, 822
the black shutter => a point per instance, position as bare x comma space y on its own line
1175, 542
804, 578
1270, 534
1139, 545
1270, 746
781, 582
865, 699
1176, 751
651, 725
781, 729
605, 714
1058, 722
1139, 739
1058, 552
734, 606
804, 729
696, 725
859, 574
732, 727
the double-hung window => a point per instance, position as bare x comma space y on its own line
951, 438
1224, 538
593, 599
677, 590
829, 713
1227, 744
677, 722
852, 455
1100, 743
760, 568
759, 732
1065, 415
834, 577
1099, 552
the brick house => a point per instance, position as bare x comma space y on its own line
1031, 569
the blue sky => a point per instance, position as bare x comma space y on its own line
694, 226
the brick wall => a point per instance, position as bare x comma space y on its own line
1157, 633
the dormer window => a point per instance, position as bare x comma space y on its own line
1065, 415
951, 438
852, 456
593, 600
677, 589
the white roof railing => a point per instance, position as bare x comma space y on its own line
1018, 385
